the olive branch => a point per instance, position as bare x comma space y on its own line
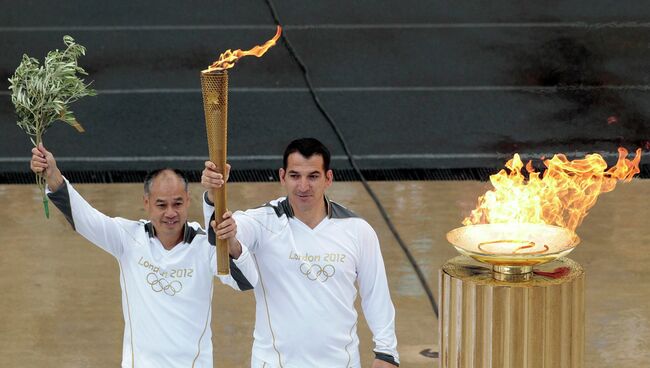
41, 94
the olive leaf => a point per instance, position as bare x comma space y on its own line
41, 93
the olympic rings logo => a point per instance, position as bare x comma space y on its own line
161, 284
316, 272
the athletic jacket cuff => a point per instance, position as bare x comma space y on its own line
61, 199
236, 266
207, 200
243, 257
386, 358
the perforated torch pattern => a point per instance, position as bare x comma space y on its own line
214, 86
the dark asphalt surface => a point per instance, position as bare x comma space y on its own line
414, 84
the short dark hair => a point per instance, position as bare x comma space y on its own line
148, 180
307, 147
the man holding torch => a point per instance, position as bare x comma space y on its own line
309, 253
167, 266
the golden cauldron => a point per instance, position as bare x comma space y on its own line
513, 249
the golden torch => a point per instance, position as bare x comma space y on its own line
214, 85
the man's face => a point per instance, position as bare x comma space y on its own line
305, 181
167, 204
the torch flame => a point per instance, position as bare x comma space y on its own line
561, 196
228, 59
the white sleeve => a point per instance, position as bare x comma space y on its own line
375, 297
99, 229
243, 270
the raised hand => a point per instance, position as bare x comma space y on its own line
43, 162
211, 178
227, 229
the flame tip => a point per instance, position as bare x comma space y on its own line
561, 196
228, 58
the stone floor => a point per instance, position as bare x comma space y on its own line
60, 304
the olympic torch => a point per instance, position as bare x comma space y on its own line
214, 86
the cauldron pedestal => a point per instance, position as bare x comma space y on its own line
510, 323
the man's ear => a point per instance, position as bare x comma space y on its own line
281, 172
330, 176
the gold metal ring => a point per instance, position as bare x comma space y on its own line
526, 245
526, 242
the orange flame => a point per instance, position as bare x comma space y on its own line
228, 59
561, 197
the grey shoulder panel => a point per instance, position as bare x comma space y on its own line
339, 212
61, 199
282, 208
148, 228
190, 233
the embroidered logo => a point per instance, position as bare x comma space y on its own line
316, 272
160, 284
